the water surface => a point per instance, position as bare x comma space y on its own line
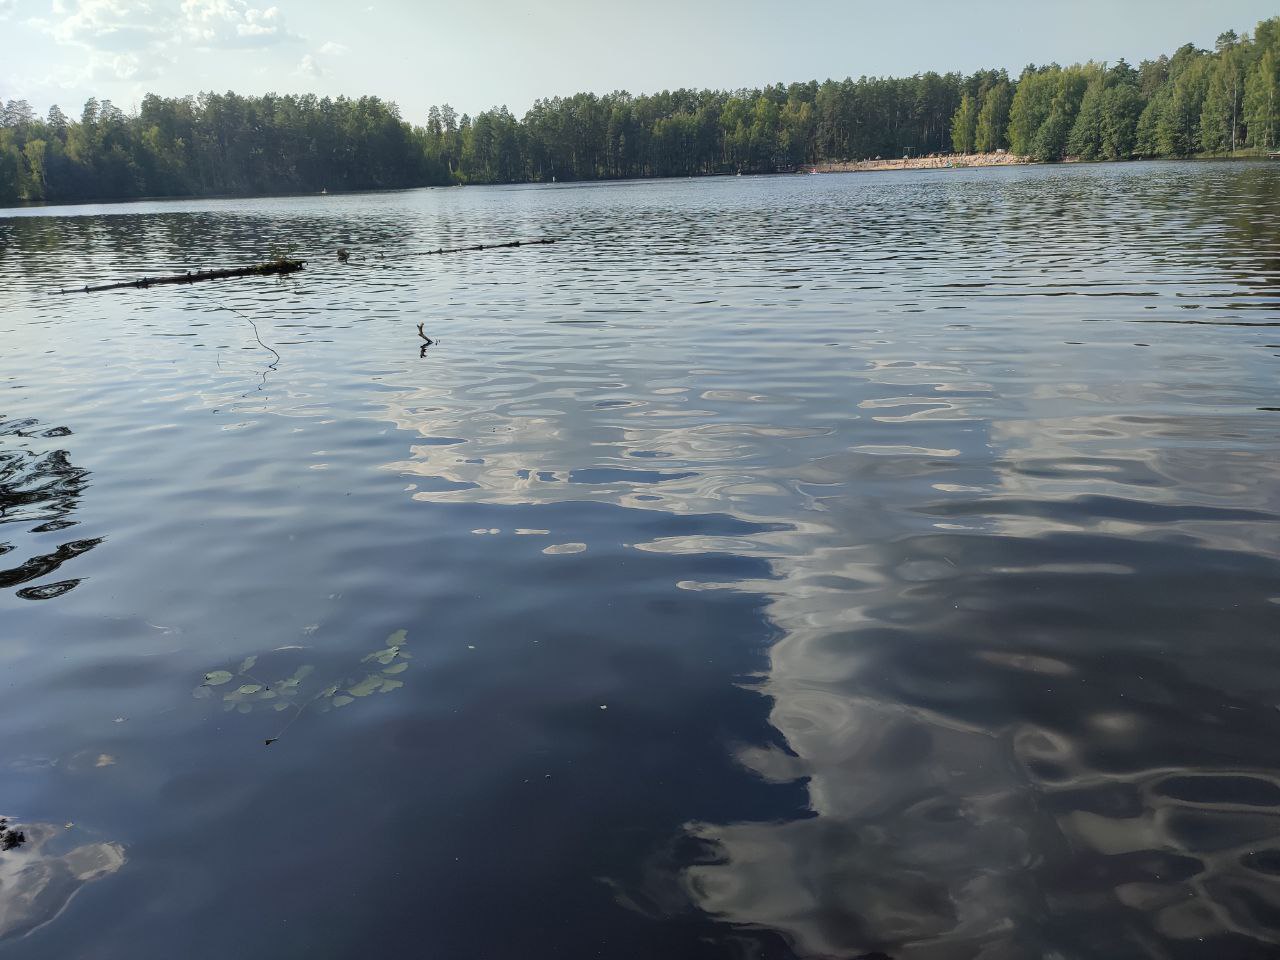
786, 567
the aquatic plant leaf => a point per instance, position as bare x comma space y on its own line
292, 691
365, 687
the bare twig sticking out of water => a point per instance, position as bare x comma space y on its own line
423, 351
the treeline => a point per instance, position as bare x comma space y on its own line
1194, 102
211, 144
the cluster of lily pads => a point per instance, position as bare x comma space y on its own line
244, 691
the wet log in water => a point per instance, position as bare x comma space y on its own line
257, 270
479, 246
283, 266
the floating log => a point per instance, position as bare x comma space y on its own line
270, 268
481, 246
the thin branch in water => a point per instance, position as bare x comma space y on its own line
255, 334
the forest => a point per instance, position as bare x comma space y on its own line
1195, 102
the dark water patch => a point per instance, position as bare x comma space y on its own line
1081, 509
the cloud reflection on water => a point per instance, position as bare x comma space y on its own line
1005, 611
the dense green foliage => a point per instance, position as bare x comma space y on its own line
1197, 101
211, 144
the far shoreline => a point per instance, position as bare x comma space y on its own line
970, 161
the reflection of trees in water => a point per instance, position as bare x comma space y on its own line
10, 837
39, 486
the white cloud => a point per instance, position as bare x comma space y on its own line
6, 8
148, 27
136, 40
116, 25
312, 65
309, 67
233, 23
123, 66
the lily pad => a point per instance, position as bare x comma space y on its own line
294, 692
365, 687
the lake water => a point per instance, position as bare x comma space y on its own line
786, 567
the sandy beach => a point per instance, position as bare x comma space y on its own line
937, 161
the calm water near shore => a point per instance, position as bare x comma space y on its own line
780, 567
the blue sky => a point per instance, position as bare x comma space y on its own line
480, 53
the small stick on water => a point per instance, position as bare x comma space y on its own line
424, 336
298, 711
